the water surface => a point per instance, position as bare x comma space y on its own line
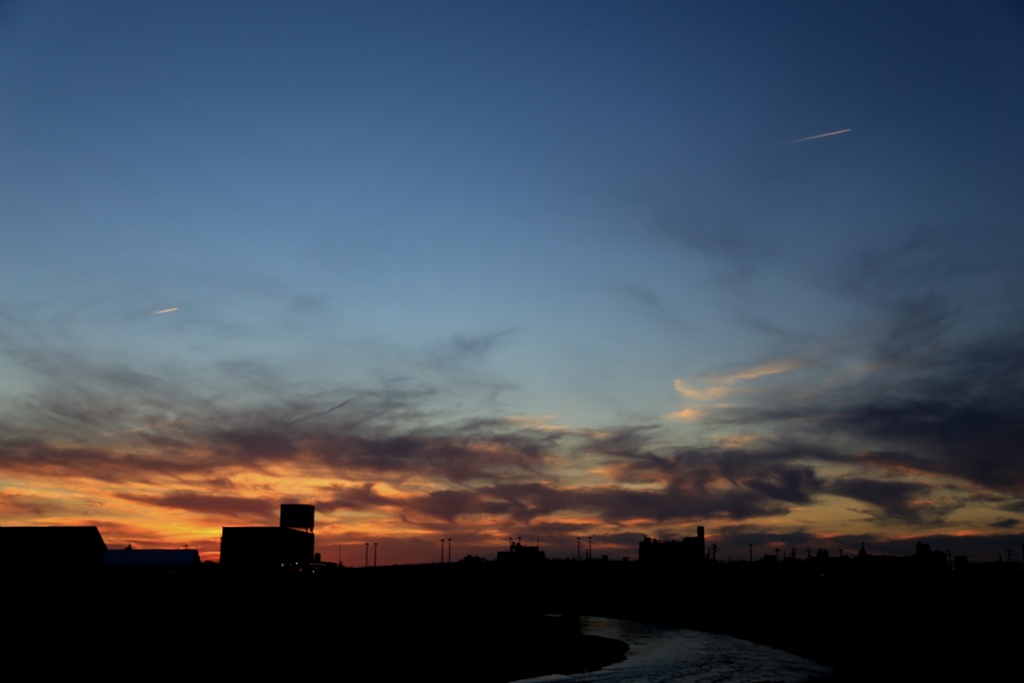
661, 654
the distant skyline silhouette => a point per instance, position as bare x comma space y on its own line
538, 270
857, 613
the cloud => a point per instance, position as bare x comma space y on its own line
728, 482
617, 506
1006, 523
972, 438
790, 484
717, 386
43, 460
14, 504
896, 499
953, 412
1013, 506
232, 507
916, 324
699, 394
913, 264
463, 348
686, 414
926, 283
544, 423
393, 455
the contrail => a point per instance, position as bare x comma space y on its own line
335, 407
164, 310
815, 137
318, 414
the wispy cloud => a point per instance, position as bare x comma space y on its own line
716, 387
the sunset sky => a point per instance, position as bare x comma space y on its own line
539, 269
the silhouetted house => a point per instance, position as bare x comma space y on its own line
266, 548
51, 548
175, 561
690, 551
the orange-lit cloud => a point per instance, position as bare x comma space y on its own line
175, 472
717, 386
686, 414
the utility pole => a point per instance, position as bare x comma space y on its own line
442, 551
750, 546
449, 551
366, 558
578, 540
375, 553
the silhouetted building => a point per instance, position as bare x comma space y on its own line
690, 551
266, 548
928, 560
51, 547
517, 552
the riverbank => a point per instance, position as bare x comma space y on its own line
565, 656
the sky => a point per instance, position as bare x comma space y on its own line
544, 270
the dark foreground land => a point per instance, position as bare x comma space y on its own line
488, 622
402, 623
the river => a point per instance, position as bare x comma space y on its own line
659, 654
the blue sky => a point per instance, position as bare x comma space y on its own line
570, 246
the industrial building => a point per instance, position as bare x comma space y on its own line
288, 546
